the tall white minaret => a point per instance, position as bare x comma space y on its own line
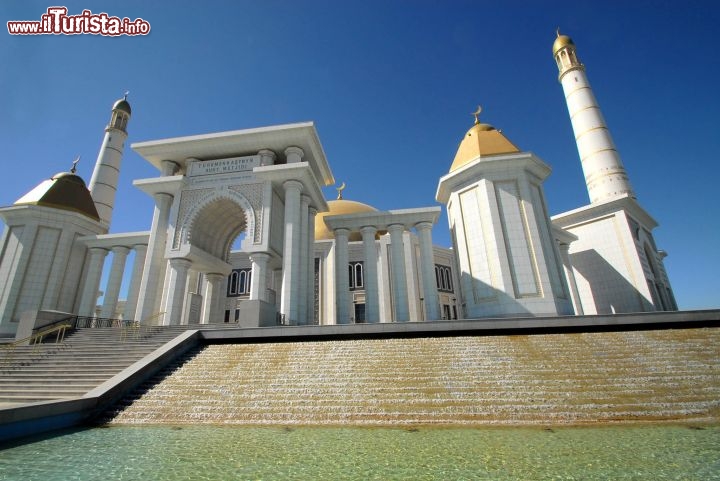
103, 183
605, 175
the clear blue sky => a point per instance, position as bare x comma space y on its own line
390, 86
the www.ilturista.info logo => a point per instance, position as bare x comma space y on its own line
57, 22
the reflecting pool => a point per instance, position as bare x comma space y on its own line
298, 453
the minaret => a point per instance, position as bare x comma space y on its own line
103, 183
605, 175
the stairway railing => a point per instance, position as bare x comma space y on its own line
35, 340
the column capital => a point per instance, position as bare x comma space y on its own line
392, 228
140, 247
98, 250
294, 154
368, 230
342, 231
214, 277
169, 167
120, 250
293, 184
180, 263
305, 199
422, 226
312, 211
267, 157
259, 257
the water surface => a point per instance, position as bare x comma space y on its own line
299, 453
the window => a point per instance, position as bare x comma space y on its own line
239, 282
443, 278
356, 275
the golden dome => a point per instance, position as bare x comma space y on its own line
65, 191
561, 41
339, 207
480, 141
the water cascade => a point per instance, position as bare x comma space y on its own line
579, 378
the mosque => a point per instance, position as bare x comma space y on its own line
308, 260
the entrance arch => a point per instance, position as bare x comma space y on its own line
216, 221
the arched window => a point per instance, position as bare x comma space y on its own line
443, 278
356, 275
232, 285
239, 282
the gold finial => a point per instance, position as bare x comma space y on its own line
340, 190
74, 166
127, 92
557, 31
477, 114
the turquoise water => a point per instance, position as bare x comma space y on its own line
245, 453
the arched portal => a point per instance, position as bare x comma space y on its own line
215, 222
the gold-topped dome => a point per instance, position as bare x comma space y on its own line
339, 207
480, 141
65, 191
561, 41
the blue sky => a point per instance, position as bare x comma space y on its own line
390, 86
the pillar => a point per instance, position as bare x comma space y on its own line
570, 276
304, 239
291, 253
112, 290
267, 157
134, 290
176, 290
294, 155
210, 297
92, 282
427, 268
399, 278
372, 304
258, 279
154, 269
310, 279
342, 286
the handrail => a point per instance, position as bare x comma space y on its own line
35, 340
67, 320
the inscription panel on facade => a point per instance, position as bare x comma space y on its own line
198, 168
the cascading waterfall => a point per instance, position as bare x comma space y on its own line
520, 379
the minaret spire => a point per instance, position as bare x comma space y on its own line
103, 183
605, 175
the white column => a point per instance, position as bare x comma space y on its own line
427, 261
210, 297
258, 279
342, 286
294, 155
310, 279
303, 285
570, 277
112, 290
176, 290
399, 279
134, 290
291, 252
372, 305
92, 282
267, 157
154, 269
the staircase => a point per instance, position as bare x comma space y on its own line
663, 375
86, 358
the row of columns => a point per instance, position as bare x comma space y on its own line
298, 255
397, 271
88, 298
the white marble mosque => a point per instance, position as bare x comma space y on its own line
308, 260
